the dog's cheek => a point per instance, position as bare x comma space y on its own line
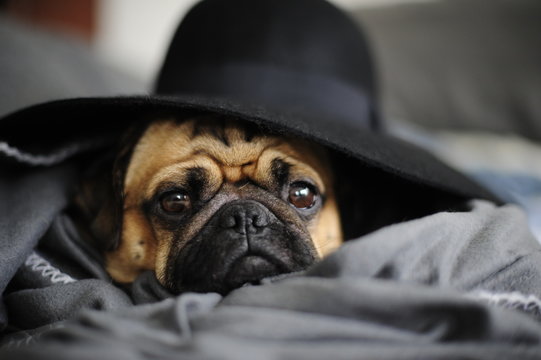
136, 251
163, 253
327, 232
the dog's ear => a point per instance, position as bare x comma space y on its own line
100, 195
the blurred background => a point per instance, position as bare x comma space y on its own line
459, 77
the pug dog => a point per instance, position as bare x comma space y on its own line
210, 204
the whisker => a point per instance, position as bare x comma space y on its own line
243, 185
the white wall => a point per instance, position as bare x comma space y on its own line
133, 34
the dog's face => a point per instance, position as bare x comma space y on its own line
210, 205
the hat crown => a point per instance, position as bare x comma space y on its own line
285, 52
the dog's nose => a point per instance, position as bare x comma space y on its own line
247, 217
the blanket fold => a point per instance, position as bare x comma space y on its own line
462, 284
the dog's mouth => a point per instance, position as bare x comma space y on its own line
243, 243
250, 269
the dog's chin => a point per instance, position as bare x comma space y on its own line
222, 258
251, 269
235, 271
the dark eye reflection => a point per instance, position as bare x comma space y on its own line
302, 195
175, 202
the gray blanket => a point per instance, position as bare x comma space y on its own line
447, 286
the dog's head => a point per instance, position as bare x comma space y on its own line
212, 204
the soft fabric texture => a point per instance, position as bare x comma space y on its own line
37, 195
421, 289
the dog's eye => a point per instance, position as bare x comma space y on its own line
175, 202
302, 195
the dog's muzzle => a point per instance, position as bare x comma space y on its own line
243, 242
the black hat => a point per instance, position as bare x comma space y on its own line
296, 66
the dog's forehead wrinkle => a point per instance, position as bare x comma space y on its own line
233, 128
200, 167
236, 154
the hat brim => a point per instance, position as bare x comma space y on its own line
48, 129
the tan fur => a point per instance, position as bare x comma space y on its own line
168, 148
